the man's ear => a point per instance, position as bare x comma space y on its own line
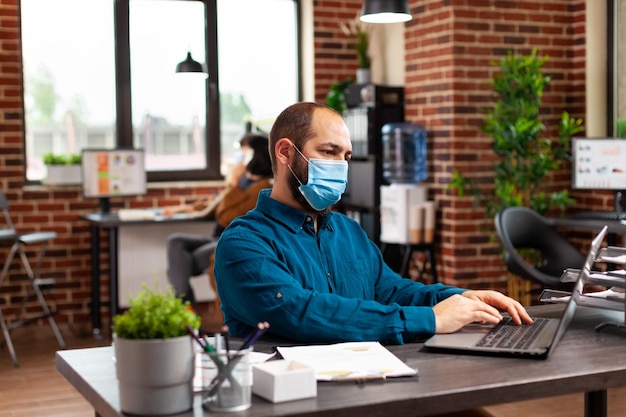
284, 148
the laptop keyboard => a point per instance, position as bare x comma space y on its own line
509, 335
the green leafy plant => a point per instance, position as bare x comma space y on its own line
155, 315
51, 158
620, 128
337, 97
524, 157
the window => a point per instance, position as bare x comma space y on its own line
79, 93
69, 79
168, 109
258, 66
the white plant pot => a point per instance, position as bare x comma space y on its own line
363, 76
62, 175
155, 376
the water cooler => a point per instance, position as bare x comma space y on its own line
404, 202
407, 220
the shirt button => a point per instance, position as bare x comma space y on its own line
328, 274
279, 295
308, 219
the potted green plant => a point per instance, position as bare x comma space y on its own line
154, 353
523, 155
62, 169
337, 97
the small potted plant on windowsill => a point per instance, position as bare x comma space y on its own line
154, 354
62, 169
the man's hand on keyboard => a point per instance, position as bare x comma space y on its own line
476, 306
494, 298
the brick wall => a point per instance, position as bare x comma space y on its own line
335, 58
450, 45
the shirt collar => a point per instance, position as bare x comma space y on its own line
292, 218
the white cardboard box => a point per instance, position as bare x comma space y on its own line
283, 380
396, 201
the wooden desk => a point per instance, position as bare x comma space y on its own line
584, 361
112, 223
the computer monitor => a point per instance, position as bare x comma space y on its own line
599, 164
113, 173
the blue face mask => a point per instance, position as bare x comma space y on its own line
327, 181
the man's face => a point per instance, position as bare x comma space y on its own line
331, 141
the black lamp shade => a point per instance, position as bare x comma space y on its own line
385, 11
189, 65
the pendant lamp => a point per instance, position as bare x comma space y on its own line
189, 65
385, 11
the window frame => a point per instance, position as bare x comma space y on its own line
124, 123
123, 92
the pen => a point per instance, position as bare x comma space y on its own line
222, 374
358, 377
206, 346
226, 342
253, 337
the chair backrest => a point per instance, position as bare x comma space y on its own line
4, 203
4, 208
523, 228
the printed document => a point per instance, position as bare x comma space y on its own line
349, 361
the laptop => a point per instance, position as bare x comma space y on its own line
508, 339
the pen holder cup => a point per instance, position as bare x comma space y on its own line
227, 380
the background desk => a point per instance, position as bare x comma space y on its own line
584, 361
137, 253
614, 226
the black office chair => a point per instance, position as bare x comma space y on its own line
520, 228
17, 242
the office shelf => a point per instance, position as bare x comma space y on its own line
611, 299
370, 108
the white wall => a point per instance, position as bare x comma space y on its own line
387, 53
595, 69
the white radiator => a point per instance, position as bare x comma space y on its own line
142, 258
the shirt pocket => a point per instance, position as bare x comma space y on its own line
354, 280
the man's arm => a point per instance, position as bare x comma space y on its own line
255, 284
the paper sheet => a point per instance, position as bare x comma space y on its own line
350, 360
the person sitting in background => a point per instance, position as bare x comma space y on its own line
312, 273
206, 206
189, 255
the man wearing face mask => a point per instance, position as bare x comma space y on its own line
312, 273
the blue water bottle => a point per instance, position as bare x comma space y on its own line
404, 153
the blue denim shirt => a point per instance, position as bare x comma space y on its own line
332, 285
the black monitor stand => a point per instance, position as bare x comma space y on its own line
105, 205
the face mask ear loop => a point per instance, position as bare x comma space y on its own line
298, 150
294, 175
289, 166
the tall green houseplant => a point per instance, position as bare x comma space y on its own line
524, 156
